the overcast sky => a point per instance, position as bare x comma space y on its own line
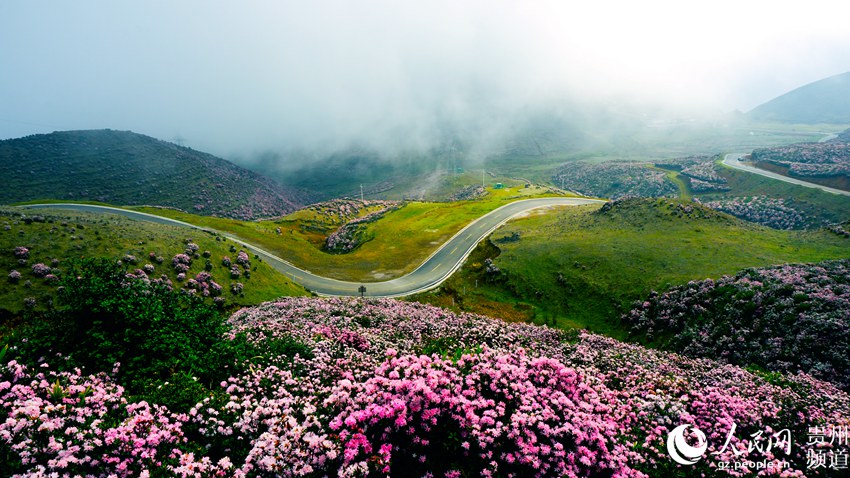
234, 78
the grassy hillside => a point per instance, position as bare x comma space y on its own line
54, 238
584, 266
824, 101
121, 167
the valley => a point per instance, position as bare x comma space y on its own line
443, 277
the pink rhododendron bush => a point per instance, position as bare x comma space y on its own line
794, 317
614, 179
389, 388
771, 212
831, 158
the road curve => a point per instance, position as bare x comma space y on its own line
430, 274
734, 160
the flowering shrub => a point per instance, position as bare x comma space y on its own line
614, 179
181, 259
236, 288
204, 283
243, 260
771, 212
81, 425
40, 270
191, 248
839, 229
392, 387
786, 319
700, 171
809, 159
340, 211
22, 252
353, 233
350, 387
14, 276
705, 171
468, 193
700, 186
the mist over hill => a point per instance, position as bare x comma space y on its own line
507, 144
125, 168
823, 101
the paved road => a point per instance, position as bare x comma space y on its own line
436, 269
734, 160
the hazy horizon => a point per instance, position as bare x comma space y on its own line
237, 80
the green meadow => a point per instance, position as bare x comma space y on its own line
584, 266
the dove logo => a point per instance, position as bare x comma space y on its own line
679, 449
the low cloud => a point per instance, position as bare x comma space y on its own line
241, 79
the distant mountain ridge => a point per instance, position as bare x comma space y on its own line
824, 101
126, 168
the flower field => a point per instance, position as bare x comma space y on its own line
388, 388
771, 212
614, 179
809, 159
784, 319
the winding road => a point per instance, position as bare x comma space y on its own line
735, 160
436, 268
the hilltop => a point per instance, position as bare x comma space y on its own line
126, 168
824, 101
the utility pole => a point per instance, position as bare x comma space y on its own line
483, 180
361, 193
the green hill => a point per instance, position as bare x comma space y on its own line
824, 101
125, 168
585, 266
55, 238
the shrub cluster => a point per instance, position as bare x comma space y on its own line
771, 212
809, 159
353, 233
785, 319
345, 387
614, 179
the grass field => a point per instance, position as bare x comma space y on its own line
64, 235
581, 267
